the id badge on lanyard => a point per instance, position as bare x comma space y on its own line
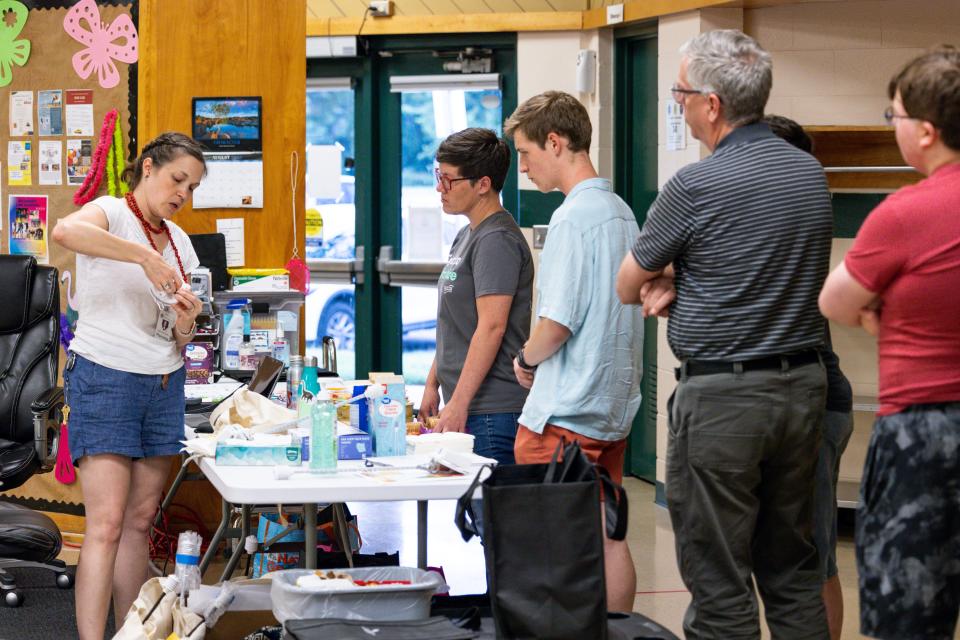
166, 320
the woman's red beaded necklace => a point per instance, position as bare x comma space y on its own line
150, 229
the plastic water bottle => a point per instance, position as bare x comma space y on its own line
323, 437
187, 569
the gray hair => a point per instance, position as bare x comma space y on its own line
732, 65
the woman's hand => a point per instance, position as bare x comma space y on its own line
164, 277
187, 308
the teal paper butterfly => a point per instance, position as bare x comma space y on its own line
13, 15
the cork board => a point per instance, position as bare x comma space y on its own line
49, 67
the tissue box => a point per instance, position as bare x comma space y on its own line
250, 454
354, 446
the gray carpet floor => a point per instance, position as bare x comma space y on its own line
47, 613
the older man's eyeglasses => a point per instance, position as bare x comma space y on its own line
447, 183
890, 116
679, 93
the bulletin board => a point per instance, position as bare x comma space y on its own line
50, 67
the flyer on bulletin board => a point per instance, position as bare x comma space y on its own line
19, 163
28, 225
79, 159
50, 112
51, 162
79, 113
21, 113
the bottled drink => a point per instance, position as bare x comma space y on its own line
187, 569
323, 436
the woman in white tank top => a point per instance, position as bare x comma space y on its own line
124, 374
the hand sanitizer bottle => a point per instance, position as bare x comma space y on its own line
323, 437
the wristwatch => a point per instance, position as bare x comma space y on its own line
523, 363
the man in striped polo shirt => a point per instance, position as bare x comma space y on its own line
741, 239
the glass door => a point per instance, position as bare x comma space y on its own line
331, 247
373, 126
431, 88
429, 114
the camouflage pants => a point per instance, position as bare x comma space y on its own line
908, 525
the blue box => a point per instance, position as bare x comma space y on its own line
354, 446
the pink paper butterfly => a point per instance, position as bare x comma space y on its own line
101, 42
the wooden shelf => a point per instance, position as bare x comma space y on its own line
873, 148
867, 404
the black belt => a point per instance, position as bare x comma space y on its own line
786, 361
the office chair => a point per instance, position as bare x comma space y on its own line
30, 413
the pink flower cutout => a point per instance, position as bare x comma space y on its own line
104, 43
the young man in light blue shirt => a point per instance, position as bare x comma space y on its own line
582, 362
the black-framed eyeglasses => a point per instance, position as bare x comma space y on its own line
679, 93
447, 183
890, 116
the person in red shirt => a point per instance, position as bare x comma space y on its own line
901, 281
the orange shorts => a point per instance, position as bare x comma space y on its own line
534, 448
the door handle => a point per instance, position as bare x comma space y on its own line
396, 273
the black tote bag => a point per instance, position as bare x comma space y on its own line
543, 545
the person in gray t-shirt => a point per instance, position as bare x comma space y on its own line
485, 293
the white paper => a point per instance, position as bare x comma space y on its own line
21, 113
425, 226
676, 127
232, 230
51, 162
614, 13
233, 181
323, 171
79, 113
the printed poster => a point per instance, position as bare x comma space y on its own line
19, 163
28, 225
51, 162
21, 113
50, 112
676, 127
79, 113
79, 159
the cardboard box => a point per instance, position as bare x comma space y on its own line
198, 358
354, 446
261, 283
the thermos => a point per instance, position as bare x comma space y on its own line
310, 380
294, 377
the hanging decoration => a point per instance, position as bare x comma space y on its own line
13, 16
104, 43
115, 184
298, 269
91, 184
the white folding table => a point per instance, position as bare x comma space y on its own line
248, 486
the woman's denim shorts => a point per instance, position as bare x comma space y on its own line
128, 414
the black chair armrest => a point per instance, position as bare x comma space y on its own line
47, 415
47, 400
